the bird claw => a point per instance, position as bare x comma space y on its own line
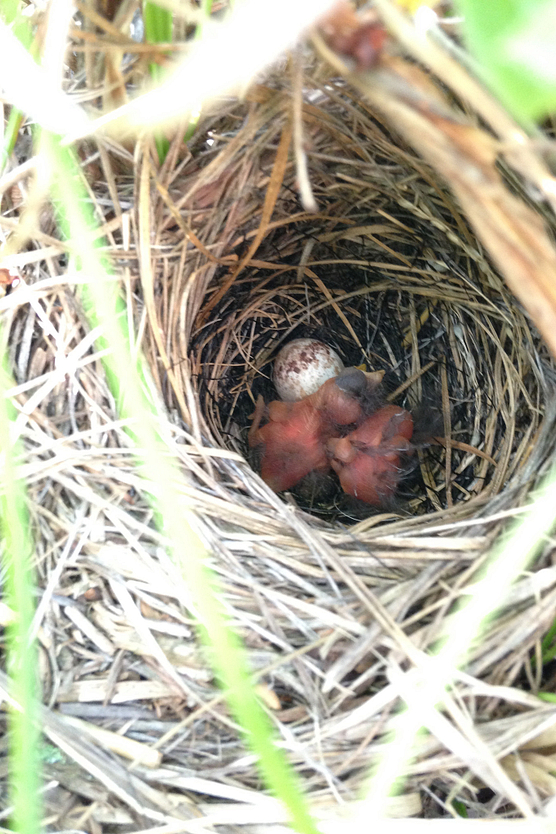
253, 436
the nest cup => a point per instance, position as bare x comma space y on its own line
375, 291
387, 272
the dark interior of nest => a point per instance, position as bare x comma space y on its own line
389, 275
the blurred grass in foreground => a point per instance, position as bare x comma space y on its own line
17, 559
424, 689
130, 381
515, 44
158, 29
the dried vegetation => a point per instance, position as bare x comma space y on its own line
219, 265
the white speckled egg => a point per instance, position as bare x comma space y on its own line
302, 366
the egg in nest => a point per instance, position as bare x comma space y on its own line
302, 366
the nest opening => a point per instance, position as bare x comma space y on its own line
393, 282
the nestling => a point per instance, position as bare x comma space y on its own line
293, 442
368, 460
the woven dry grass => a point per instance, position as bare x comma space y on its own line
220, 265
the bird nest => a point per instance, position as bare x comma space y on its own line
328, 599
388, 273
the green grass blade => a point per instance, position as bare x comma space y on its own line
158, 24
514, 44
130, 383
158, 29
23, 732
510, 556
10, 12
550, 697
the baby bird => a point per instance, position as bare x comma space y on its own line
367, 460
293, 442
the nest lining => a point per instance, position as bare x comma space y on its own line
374, 317
323, 605
396, 285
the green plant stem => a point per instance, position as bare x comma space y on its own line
10, 12
23, 732
158, 29
130, 383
